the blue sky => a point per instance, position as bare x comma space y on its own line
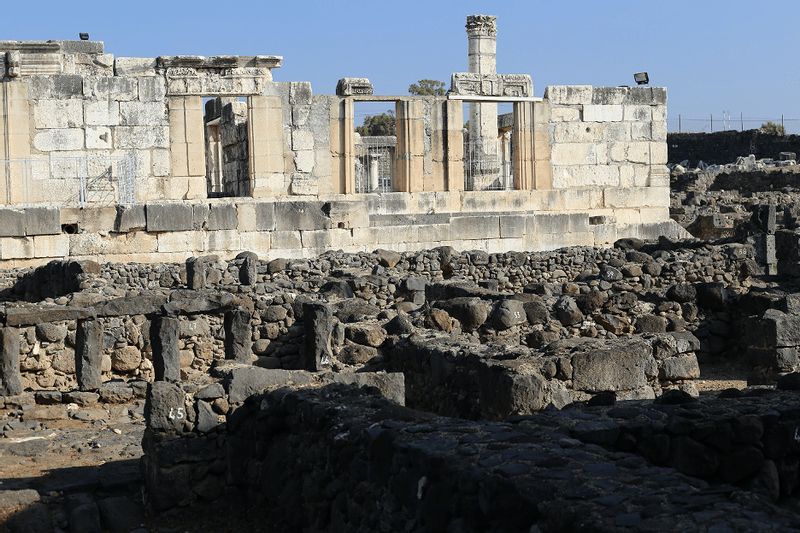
713, 55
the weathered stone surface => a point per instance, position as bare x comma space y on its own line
243, 382
130, 218
126, 359
295, 216
623, 366
164, 340
238, 336
366, 334
248, 271
567, 312
222, 216
507, 314
164, 407
42, 221
318, 320
471, 312
10, 384
88, 354
169, 217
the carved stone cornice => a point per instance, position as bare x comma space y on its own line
474, 84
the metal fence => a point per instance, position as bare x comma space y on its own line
726, 121
71, 181
375, 164
487, 166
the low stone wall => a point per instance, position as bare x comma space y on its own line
497, 381
743, 438
495, 221
726, 146
336, 459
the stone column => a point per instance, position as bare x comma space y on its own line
89, 354
482, 59
238, 336
524, 160
164, 341
454, 145
318, 319
15, 141
374, 171
187, 148
265, 146
10, 378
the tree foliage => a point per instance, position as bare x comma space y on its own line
427, 88
379, 125
772, 128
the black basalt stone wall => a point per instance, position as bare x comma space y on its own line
725, 146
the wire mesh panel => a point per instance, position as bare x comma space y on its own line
375, 164
487, 166
71, 181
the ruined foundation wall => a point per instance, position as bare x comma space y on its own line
726, 146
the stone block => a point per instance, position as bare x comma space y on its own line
16, 248
565, 113
300, 216
613, 367
200, 215
135, 66
42, 221
101, 113
256, 241
59, 139
265, 216
571, 176
512, 226
166, 356
286, 240
602, 113
152, 89
161, 164
609, 95
164, 409
12, 222
181, 241
89, 354
574, 153
52, 114
318, 318
119, 88
222, 216
51, 246
143, 113
58, 87
475, 227
238, 336
222, 241
636, 113
10, 377
568, 94
130, 218
141, 137
302, 140
169, 217
99, 138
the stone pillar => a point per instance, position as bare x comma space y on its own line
265, 146
89, 354
248, 271
454, 145
15, 141
164, 341
196, 273
410, 151
238, 336
482, 59
318, 319
187, 148
541, 145
10, 378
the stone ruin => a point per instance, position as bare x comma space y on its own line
490, 380
155, 159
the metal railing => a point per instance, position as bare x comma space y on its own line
375, 164
487, 166
70, 181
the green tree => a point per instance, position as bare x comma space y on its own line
772, 128
427, 88
378, 125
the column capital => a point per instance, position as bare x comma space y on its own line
481, 26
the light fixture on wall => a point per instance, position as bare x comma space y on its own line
641, 78
83, 36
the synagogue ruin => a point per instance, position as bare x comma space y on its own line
223, 307
155, 159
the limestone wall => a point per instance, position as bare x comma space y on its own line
502, 221
608, 136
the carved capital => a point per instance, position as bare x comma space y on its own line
353, 86
481, 25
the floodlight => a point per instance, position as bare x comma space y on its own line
641, 78
84, 36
